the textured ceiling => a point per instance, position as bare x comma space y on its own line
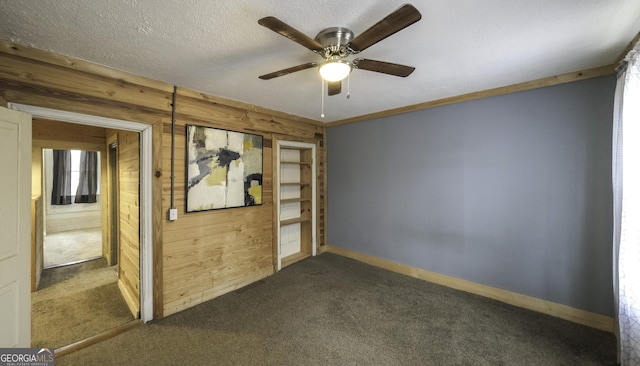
217, 47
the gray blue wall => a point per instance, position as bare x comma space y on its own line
511, 191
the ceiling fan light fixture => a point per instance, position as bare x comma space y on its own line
336, 44
335, 70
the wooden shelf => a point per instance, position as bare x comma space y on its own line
303, 184
296, 162
294, 200
296, 148
294, 220
293, 258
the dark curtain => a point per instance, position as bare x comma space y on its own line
61, 194
88, 179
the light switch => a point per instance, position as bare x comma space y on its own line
173, 214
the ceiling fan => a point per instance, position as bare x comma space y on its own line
337, 43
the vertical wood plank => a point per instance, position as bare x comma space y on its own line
129, 225
158, 218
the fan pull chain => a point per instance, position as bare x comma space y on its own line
348, 87
322, 97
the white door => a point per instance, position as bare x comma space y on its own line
15, 230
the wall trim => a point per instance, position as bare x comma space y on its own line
527, 85
579, 316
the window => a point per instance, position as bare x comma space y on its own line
74, 176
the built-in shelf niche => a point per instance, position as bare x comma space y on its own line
296, 203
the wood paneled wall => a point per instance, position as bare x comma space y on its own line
129, 218
69, 136
201, 255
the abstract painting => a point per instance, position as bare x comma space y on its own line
224, 169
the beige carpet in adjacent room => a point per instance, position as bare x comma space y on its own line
76, 302
71, 246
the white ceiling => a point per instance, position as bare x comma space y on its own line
217, 47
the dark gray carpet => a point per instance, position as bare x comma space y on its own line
76, 302
331, 310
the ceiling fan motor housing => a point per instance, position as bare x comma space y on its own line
335, 41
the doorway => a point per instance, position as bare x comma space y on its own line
73, 220
76, 301
145, 133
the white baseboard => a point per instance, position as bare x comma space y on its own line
584, 317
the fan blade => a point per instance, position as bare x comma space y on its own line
392, 23
383, 67
334, 87
288, 31
289, 70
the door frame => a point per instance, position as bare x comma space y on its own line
114, 212
146, 188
